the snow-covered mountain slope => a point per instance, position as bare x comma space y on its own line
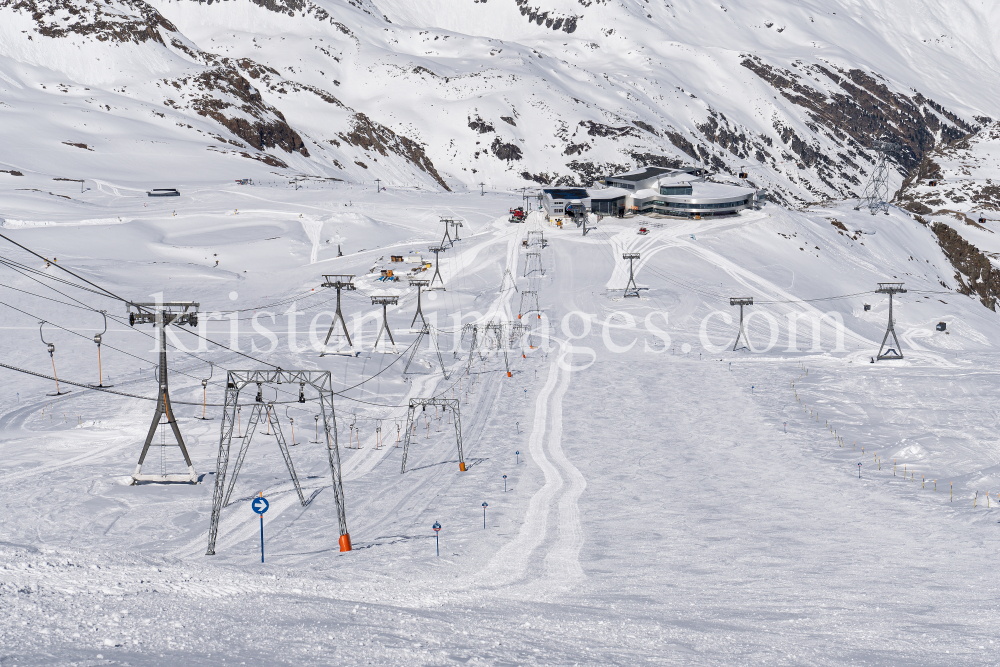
451, 93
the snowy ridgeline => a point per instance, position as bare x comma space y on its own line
449, 94
666, 499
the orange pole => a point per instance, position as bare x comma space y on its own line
54, 373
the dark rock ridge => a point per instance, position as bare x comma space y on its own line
539, 16
974, 272
370, 135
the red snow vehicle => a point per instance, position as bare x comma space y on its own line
643, 231
517, 214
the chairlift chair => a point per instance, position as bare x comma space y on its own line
97, 339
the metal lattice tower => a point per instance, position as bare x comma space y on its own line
161, 315
419, 284
529, 297
536, 238
876, 193
631, 289
235, 382
741, 301
437, 250
897, 352
447, 404
496, 329
269, 414
532, 263
425, 331
385, 302
340, 282
503, 281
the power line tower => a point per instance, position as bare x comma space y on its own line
741, 301
503, 280
896, 352
631, 289
339, 282
437, 250
529, 298
420, 284
447, 404
536, 238
385, 302
876, 193
162, 314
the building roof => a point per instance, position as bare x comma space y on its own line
643, 174
608, 193
566, 193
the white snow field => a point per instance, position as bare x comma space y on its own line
671, 501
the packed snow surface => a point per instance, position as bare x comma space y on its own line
668, 500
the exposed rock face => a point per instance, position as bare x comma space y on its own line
974, 272
369, 135
230, 100
102, 21
549, 18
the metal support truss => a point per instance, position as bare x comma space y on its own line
446, 403
419, 284
161, 315
892, 353
385, 302
631, 289
235, 382
437, 250
339, 282
533, 263
529, 298
741, 301
426, 331
876, 193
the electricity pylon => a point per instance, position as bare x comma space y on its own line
876, 193
897, 352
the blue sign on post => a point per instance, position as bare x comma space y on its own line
260, 505
437, 541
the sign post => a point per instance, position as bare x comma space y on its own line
437, 541
260, 505
505, 483
484, 515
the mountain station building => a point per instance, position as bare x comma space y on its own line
683, 193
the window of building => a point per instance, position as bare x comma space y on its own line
675, 190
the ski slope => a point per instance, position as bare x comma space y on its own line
672, 502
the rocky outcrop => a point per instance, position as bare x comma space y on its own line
369, 135
973, 270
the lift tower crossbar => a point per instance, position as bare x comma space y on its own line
161, 315
339, 282
437, 250
385, 302
741, 301
446, 403
236, 381
896, 352
631, 289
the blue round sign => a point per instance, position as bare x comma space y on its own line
259, 505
